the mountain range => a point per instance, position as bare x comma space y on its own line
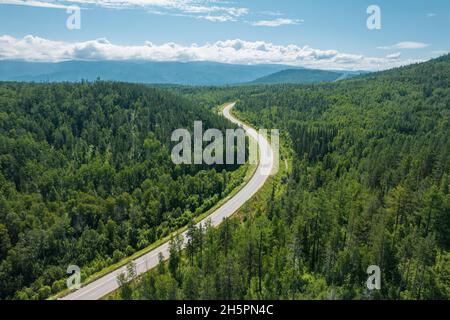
182, 73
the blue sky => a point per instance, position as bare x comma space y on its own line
312, 33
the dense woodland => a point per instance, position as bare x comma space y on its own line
369, 185
86, 178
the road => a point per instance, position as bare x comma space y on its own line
108, 283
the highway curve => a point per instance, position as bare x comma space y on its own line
108, 283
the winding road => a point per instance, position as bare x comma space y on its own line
108, 283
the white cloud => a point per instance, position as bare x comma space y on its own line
431, 15
211, 10
32, 3
405, 45
276, 22
34, 48
271, 13
223, 18
394, 56
207, 9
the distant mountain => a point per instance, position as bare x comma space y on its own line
187, 73
302, 76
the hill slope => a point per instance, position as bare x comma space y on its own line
86, 178
300, 76
369, 185
306, 76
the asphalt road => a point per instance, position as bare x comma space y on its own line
108, 283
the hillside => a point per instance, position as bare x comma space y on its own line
369, 185
299, 76
306, 76
86, 178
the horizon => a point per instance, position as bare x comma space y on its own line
288, 67
291, 33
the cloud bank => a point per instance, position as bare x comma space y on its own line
211, 10
33, 48
200, 9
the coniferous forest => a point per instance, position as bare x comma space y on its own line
368, 185
86, 177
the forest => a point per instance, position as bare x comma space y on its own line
86, 178
368, 185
